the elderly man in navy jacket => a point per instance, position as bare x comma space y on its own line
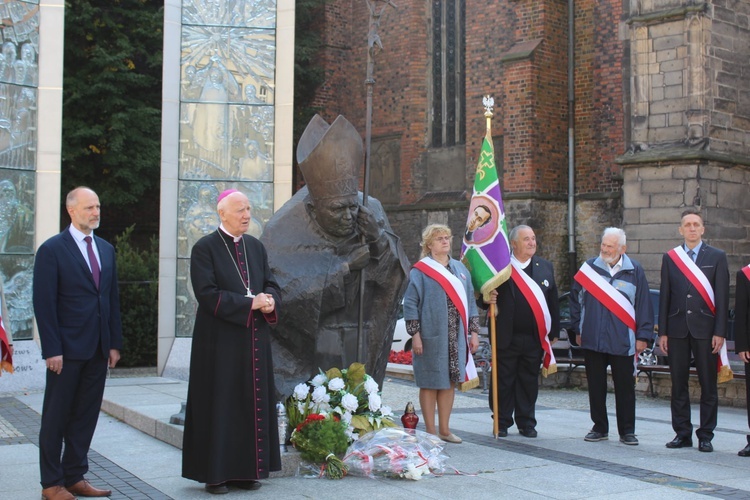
613, 319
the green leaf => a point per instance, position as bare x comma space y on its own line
355, 375
361, 423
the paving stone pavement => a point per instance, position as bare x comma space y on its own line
126, 457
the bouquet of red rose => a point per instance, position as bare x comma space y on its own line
321, 440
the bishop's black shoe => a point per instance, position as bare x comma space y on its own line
217, 489
244, 485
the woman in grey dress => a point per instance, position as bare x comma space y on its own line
441, 316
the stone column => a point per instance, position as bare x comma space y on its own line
226, 123
690, 127
31, 74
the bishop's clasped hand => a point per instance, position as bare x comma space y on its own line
264, 302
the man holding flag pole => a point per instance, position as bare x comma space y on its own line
529, 311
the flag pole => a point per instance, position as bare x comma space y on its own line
493, 327
495, 388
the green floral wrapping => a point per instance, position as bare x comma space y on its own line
322, 440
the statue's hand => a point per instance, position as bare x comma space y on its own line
368, 224
358, 258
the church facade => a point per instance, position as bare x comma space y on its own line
606, 114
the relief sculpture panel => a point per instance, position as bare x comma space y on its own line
227, 71
196, 218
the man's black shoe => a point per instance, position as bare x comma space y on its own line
744, 452
594, 436
217, 489
705, 445
503, 433
528, 432
629, 439
680, 442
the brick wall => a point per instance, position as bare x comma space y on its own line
600, 91
658, 95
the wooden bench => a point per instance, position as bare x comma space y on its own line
567, 354
649, 370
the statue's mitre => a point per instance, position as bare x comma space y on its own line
330, 157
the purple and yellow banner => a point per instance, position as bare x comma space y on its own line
485, 250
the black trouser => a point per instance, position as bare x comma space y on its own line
624, 380
679, 367
518, 381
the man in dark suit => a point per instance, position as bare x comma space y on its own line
613, 319
693, 307
742, 335
77, 308
519, 347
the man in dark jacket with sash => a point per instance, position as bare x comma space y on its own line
693, 310
613, 320
525, 319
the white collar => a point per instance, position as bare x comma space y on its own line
236, 239
618, 263
79, 235
522, 265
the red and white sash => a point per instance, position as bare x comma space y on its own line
699, 281
456, 292
694, 275
534, 295
746, 271
609, 297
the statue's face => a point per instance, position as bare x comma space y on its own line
337, 216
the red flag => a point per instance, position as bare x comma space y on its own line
6, 358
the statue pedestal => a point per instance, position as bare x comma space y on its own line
29, 369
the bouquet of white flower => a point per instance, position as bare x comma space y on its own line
349, 393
